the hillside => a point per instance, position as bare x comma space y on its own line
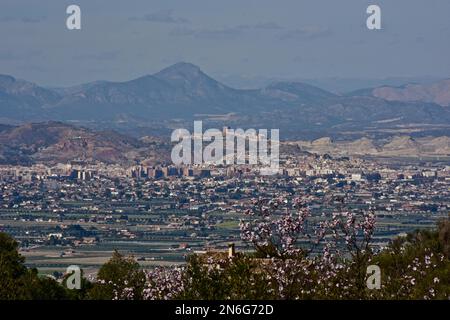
55, 142
436, 92
396, 146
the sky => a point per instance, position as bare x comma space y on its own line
246, 39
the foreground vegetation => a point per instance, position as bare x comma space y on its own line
332, 266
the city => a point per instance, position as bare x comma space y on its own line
217, 159
76, 213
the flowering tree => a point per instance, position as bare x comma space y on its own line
300, 256
276, 236
417, 266
305, 257
349, 254
164, 283
119, 279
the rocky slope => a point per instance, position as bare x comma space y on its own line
55, 142
396, 146
436, 92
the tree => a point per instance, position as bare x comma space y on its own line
444, 236
119, 278
12, 271
17, 282
417, 266
44, 288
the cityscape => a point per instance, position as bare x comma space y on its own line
216, 159
78, 213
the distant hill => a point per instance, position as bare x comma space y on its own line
396, 146
22, 100
296, 92
55, 142
436, 92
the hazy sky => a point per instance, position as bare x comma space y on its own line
121, 40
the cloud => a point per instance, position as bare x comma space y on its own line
225, 32
232, 32
182, 32
165, 16
8, 55
305, 33
267, 26
102, 56
33, 19
27, 19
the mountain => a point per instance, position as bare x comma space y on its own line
363, 146
55, 142
175, 96
436, 92
396, 146
179, 91
22, 100
402, 145
27, 92
296, 92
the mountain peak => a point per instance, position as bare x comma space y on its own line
191, 78
184, 69
6, 80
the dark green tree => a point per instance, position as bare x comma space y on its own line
17, 282
13, 273
119, 278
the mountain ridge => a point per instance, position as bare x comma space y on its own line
395, 146
56, 142
436, 92
181, 93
